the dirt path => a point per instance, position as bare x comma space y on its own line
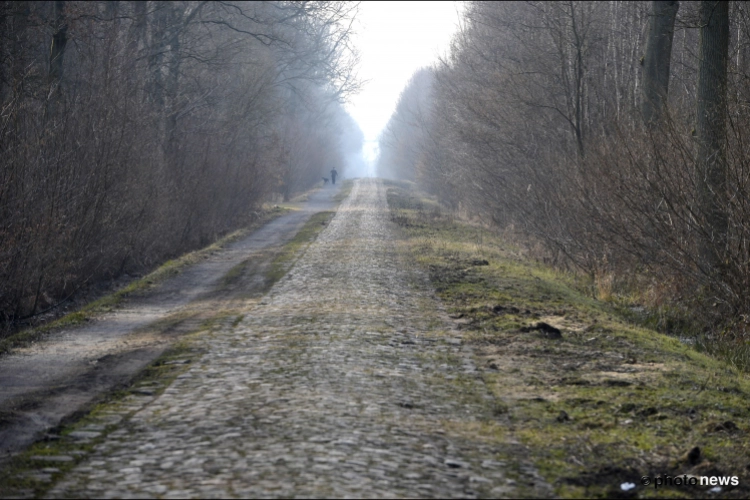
43, 383
347, 380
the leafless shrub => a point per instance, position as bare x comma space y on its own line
534, 121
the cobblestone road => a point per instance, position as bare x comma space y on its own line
345, 381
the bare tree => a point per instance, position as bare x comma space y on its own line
711, 128
657, 59
403, 142
545, 119
166, 132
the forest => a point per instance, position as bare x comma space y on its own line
132, 132
609, 138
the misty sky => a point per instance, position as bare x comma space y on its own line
395, 39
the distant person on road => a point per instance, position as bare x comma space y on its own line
333, 175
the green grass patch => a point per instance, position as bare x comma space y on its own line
235, 273
346, 188
288, 255
238, 320
602, 402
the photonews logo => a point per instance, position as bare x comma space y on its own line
685, 480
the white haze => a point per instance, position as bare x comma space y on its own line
394, 39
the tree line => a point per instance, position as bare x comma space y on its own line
132, 131
612, 134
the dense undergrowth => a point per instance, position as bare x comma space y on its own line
598, 400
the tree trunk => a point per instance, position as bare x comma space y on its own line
172, 89
711, 130
158, 35
15, 49
59, 40
137, 34
657, 60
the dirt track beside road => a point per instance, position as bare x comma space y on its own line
42, 384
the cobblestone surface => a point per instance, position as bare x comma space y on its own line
345, 381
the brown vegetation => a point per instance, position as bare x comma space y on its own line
133, 131
557, 119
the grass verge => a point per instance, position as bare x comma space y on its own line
346, 188
288, 255
597, 401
